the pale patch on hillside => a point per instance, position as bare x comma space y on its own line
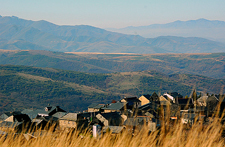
73, 85
39, 78
83, 88
7, 51
96, 53
125, 80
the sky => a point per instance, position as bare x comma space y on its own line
113, 13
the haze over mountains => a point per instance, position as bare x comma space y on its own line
210, 29
16, 33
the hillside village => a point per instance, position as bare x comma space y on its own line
130, 113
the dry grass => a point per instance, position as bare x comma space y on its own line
176, 136
83, 88
29, 76
6, 51
80, 53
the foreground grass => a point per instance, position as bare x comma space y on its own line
169, 135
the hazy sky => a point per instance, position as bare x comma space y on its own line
113, 13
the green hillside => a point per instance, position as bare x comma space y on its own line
27, 87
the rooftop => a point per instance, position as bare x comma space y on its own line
115, 106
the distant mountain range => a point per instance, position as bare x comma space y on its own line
16, 33
210, 29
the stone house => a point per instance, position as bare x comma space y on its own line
132, 102
149, 109
94, 107
110, 119
202, 100
211, 103
115, 107
137, 123
68, 121
6, 115
48, 111
15, 122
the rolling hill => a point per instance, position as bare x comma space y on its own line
25, 87
17, 33
207, 64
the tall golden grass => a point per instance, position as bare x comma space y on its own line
169, 135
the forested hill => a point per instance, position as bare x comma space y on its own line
210, 64
32, 87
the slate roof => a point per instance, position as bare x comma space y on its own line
37, 121
21, 118
132, 99
50, 110
92, 105
59, 114
176, 95
26, 111
147, 96
145, 107
111, 115
10, 124
99, 106
148, 106
12, 113
40, 119
115, 106
8, 113
70, 116
211, 102
32, 113
212, 98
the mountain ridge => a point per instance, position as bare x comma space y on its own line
179, 22
86, 38
209, 29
